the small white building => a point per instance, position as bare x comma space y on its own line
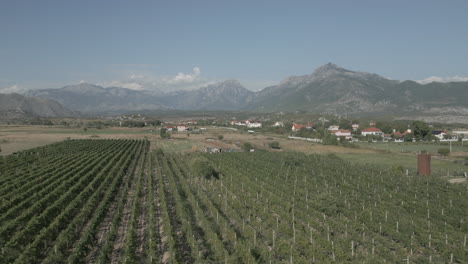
439, 134
170, 128
252, 124
355, 126
334, 127
343, 133
372, 131
279, 124
181, 128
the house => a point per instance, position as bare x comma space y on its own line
372, 131
212, 150
296, 127
342, 133
398, 134
192, 122
372, 124
387, 137
170, 128
439, 134
279, 124
355, 127
181, 128
334, 127
309, 125
238, 123
251, 124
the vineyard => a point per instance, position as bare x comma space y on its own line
115, 201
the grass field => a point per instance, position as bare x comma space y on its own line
16, 138
414, 147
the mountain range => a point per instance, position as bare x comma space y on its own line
329, 89
16, 106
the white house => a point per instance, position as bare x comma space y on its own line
252, 124
343, 133
355, 126
170, 128
373, 131
181, 128
439, 134
334, 127
279, 124
237, 123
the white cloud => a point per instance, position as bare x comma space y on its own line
443, 79
186, 78
12, 89
147, 81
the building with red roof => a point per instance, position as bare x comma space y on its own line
372, 131
296, 127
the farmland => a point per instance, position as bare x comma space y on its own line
122, 201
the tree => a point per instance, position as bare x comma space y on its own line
274, 145
220, 137
386, 127
247, 146
345, 124
330, 139
421, 130
163, 133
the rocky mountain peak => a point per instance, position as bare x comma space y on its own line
329, 69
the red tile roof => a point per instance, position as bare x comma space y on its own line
372, 129
298, 127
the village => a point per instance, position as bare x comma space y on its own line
354, 132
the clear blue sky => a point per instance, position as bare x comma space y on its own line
50, 43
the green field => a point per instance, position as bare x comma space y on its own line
414, 147
116, 201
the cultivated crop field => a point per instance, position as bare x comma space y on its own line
115, 201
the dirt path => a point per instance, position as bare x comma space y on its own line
458, 180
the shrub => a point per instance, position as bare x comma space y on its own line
159, 152
163, 133
203, 168
220, 137
444, 151
247, 146
274, 145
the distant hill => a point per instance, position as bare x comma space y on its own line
329, 89
227, 95
19, 106
333, 89
89, 98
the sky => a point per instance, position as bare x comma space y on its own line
175, 44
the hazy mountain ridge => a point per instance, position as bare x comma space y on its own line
89, 98
20, 106
333, 89
329, 88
